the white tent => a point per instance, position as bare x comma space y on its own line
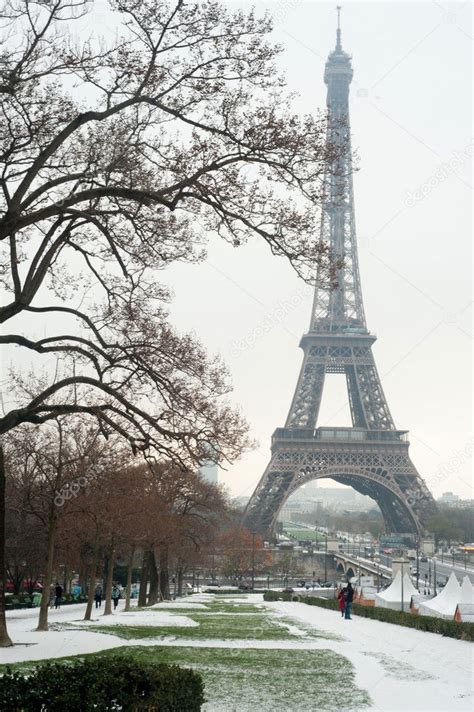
392, 596
444, 604
464, 613
467, 591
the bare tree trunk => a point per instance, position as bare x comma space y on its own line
180, 581
5, 640
48, 576
92, 578
109, 582
128, 590
154, 579
164, 574
66, 588
143, 581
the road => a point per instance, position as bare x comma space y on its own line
443, 570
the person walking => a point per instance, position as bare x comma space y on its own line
58, 590
342, 603
98, 596
348, 598
115, 595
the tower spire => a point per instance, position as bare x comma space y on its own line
338, 34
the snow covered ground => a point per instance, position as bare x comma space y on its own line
400, 668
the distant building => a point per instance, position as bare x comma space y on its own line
336, 498
448, 498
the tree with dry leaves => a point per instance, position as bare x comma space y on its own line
119, 156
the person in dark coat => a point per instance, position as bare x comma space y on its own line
98, 596
58, 590
348, 593
115, 595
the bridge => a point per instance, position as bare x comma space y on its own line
351, 566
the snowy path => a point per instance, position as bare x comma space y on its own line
402, 669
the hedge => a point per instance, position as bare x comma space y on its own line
229, 591
105, 684
448, 628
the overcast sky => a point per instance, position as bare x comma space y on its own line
411, 122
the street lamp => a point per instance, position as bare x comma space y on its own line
434, 574
401, 565
417, 562
325, 557
253, 560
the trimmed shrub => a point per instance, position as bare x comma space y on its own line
232, 591
102, 683
448, 628
276, 596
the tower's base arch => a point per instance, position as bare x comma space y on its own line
380, 470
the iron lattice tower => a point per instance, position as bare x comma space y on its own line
372, 455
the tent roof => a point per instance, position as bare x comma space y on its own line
446, 601
467, 592
394, 591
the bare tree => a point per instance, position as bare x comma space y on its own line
119, 157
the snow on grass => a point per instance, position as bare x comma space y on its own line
270, 656
402, 669
141, 619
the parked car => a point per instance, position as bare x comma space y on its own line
424, 559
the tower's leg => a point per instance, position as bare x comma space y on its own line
263, 508
367, 400
307, 399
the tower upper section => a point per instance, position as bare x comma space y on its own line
339, 309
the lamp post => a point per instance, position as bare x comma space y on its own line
401, 565
434, 574
253, 560
417, 562
325, 557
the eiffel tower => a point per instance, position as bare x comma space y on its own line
372, 455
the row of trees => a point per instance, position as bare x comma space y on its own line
120, 155
77, 505
75, 502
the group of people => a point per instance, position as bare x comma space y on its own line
98, 595
55, 596
345, 598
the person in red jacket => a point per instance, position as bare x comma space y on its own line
342, 602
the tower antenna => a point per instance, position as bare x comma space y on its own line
338, 43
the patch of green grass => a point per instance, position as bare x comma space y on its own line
246, 680
223, 620
303, 534
244, 626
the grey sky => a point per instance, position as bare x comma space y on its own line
411, 123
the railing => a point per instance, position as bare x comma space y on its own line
340, 434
